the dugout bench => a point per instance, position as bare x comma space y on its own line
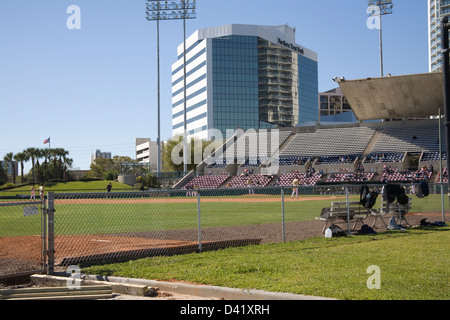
339, 213
395, 209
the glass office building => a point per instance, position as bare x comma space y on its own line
332, 102
243, 76
437, 9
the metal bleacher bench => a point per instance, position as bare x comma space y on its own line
395, 209
338, 211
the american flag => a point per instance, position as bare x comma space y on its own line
47, 141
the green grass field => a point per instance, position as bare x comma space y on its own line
129, 215
101, 218
413, 265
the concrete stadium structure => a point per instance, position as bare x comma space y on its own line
405, 96
364, 151
338, 153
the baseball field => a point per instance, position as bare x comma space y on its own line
113, 228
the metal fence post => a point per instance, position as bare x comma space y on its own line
51, 232
282, 215
199, 223
446, 84
44, 236
348, 210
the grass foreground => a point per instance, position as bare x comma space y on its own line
412, 265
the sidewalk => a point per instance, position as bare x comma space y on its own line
141, 289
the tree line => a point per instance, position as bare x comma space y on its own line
46, 164
49, 164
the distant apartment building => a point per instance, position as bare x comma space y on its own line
147, 152
437, 9
99, 154
9, 168
334, 107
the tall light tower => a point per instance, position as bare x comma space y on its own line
384, 7
171, 10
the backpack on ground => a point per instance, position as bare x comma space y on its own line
393, 225
337, 231
365, 229
424, 223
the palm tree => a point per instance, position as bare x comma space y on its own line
9, 157
62, 160
67, 164
54, 157
39, 155
21, 157
46, 155
31, 154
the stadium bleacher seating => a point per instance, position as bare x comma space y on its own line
241, 181
329, 142
218, 164
341, 159
433, 156
260, 144
293, 161
408, 138
376, 157
252, 162
385, 143
253, 146
306, 179
206, 182
395, 175
350, 177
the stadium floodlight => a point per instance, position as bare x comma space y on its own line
384, 7
171, 10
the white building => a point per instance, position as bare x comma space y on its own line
147, 152
437, 9
9, 168
246, 76
99, 154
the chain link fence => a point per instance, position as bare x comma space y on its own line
91, 228
22, 238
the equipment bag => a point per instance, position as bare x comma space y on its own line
337, 231
367, 198
396, 191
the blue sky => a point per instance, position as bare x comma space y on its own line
95, 88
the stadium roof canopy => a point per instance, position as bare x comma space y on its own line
395, 97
